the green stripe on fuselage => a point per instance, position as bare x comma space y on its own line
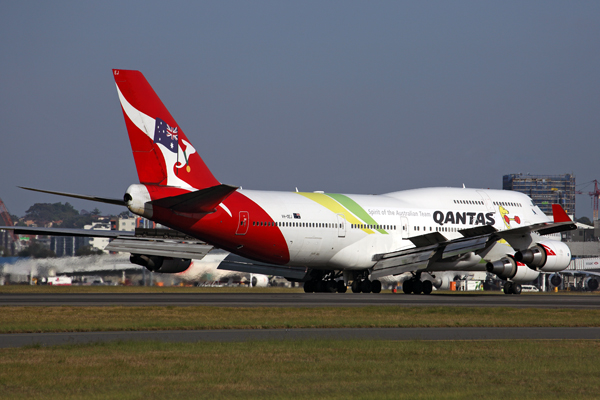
355, 209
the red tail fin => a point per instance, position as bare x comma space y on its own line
163, 154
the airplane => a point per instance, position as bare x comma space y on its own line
325, 240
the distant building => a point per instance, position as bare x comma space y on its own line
544, 190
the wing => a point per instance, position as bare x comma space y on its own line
31, 230
193, 250
429, 245
435, 245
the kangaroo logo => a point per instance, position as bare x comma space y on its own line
504, 215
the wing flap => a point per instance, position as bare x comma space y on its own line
237, 263
402, 261
462, 246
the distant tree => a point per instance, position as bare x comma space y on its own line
96, 212
584, 220
43, 213
36, 250
125, 214
88, 251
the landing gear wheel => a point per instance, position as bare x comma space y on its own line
331, 286
417, 287
309, 286
321, 287
355, 286
516, 288
508, 288
376, 286
341, 287
366, 286
407, 286
427, 287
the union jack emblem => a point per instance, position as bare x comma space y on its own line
172, 132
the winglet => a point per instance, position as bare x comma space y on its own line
559, 214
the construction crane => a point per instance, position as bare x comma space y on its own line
595, 195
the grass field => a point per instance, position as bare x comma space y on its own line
305, 369
333, 369
79, 319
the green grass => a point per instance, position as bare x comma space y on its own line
117, 318
304, 370
26, 289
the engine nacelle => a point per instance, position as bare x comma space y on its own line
591, 284
508, 268
555, 280
546, 256
259, 280
165, 265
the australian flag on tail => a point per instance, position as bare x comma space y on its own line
166, 135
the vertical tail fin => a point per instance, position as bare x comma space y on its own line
163, 154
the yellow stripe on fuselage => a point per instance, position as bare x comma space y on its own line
335, 207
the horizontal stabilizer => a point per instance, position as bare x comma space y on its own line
200, 201
161, 248
118, 202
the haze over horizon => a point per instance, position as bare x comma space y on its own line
340, 96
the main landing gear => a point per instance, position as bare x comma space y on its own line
512, 288
366, 286
325, 282
417, 286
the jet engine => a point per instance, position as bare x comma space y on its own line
591, 284
555, 280
546, 256
165, 265
259, 280
508, 268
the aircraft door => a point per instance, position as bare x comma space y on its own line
341, 225
243, 223
404, 227
487, 201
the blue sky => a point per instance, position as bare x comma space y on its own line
340, 96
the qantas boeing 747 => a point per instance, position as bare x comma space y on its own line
326, 240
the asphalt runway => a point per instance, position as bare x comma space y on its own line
578, 301
242, 335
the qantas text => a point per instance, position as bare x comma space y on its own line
456, 217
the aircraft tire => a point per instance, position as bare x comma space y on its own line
376, 286
309, 286
341, 287
407, 286
508, 288
427, 287
366, 286
355, 286
321, 286
331, 286
516, 288
417, 287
